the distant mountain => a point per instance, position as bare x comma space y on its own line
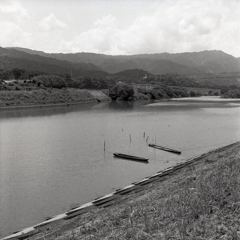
161, 63
181, 63
114, 64
207, 61
238, 60
11, 58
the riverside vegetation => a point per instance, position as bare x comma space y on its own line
200, 201
43, 89
60, 89
53, 89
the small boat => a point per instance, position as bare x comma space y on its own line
130, 157
164, 148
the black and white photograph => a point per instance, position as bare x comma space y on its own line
120, 119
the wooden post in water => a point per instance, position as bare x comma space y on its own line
104, 146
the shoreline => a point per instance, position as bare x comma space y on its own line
97, 96
67, 221
46, 105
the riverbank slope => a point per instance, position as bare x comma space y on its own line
199, 201
50, 97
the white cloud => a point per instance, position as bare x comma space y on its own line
13, 35
101, 38
12, 10
51, 23
165, 26
174, 26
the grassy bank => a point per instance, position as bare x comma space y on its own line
199, 201
48, 96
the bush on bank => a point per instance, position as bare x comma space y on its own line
231, 94
122, 92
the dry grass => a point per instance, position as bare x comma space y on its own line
201, 201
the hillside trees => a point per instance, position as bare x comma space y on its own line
53, 81
6, 74
18, 73
94, 83
174, 80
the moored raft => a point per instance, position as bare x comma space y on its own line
130, 157
164, 148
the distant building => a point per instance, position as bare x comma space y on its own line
145, 77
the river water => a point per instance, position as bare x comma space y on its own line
52, 159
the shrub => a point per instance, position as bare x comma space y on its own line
232, 94
121, 92
192, 94
223, 90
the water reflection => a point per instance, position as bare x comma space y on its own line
163, 105
193, 103
127, 105
44, 111
57, 110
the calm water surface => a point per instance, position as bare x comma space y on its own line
52, 159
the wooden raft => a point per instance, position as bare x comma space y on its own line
164, 148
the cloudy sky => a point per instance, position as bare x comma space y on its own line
121, 26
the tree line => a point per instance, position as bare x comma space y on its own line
120, 87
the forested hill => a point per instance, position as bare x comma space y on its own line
13, 58
159, 63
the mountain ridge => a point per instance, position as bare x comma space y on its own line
11, 58
208, 61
